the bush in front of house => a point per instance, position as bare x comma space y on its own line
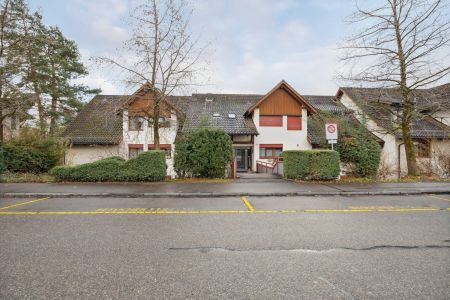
311, 164
31, 153
362, 155
147, 166
357, 147
204, 153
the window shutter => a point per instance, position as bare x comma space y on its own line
271, 121
294, 123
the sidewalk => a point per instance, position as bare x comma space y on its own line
240, 187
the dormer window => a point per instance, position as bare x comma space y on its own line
209, 98
232, 116
216, 115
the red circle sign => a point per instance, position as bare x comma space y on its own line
331, 128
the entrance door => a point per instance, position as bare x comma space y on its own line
241, 159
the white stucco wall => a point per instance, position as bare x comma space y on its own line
81, 154
390, 151
443, 116
8, 131
290, 139
167, 135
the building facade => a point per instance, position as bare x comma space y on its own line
260, 126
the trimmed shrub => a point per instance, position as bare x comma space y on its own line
147, 166
204, 153
361, 155
357, 148
32, 153
311, 164
182, 161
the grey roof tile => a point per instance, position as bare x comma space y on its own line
201, 112
100, 121
373, 102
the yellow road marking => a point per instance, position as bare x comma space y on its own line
176, 212
24, 203
440, 198
248, 204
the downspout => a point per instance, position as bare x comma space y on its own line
399, 160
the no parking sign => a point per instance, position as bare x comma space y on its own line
331, 132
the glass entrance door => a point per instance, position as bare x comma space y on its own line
241, 159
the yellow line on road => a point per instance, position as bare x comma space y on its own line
24, 203
248, 204
181, 212
437, 197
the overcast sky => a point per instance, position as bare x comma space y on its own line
254, 43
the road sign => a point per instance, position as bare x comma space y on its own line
332, 141
331, 131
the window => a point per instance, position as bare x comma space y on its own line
270, 150
134, 150
271, 121
166, 147
135, 123
294, 123
163, 122
422, 149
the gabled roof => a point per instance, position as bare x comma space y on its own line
283, 85
373, 101
327, 103
148, 88
331, 105
100, 122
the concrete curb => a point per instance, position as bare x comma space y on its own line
206, 195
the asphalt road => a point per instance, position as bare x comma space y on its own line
255, 248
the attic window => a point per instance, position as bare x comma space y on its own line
209, 98
216, 115
232, 116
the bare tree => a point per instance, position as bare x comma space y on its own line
401, 44
164, 52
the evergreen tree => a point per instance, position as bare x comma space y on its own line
62, 66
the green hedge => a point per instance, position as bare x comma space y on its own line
205, 153
31, 153
311, 164
147, 166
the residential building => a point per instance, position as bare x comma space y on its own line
260, 126
379, 108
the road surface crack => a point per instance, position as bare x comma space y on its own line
305, 250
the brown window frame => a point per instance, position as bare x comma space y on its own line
164, 122
135, 147
141, 128
272, 147
296, 128
264, 123
419, 150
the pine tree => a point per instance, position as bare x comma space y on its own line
63, 66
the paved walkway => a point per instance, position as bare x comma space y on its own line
251, 186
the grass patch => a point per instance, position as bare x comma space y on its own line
10, 177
